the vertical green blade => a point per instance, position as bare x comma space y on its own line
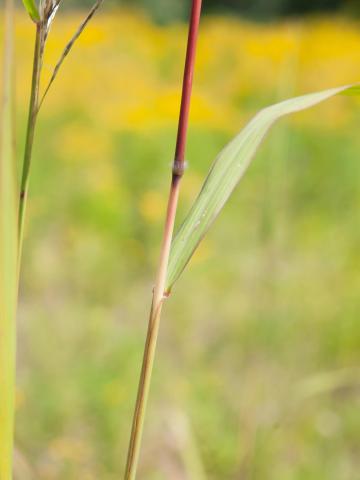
8, 255
32, 9
226, 172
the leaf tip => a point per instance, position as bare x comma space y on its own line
32, 10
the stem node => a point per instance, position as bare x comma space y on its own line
159, 292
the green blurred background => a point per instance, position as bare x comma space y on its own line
257, 372
169, 10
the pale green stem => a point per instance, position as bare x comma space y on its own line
8, 256
152, 335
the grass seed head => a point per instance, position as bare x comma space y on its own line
48, 9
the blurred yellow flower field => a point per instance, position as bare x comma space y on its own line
125, 72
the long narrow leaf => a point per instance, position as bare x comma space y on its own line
226, 172
32, 9
8, 256
69, 46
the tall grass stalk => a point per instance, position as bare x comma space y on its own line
159, 289
13, 203
8, 253
30, 130
43, 21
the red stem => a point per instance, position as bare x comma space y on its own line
186, 88
159, 294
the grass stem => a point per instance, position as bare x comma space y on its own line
30, 131
159, 288
8, 251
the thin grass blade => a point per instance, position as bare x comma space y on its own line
8, 255
32, 9
69, 46
227, 171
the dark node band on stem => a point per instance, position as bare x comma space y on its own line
179, 168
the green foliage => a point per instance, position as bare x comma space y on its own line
226, 172
169, 10
257, 305
32, 9
259, 308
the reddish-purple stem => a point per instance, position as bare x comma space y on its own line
187, 88
159, 288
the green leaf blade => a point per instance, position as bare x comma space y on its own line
32, 9
8, 255
226, 172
